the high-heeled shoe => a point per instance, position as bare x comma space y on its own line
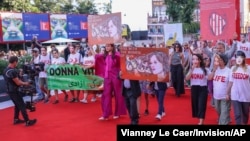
103, 118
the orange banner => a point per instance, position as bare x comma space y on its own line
139, 63
104, 29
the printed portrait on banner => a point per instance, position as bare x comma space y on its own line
104, 29
151, 64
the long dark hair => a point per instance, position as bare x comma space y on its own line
177, 45
113, 52
202, 64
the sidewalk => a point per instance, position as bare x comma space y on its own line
9, 103
5, 101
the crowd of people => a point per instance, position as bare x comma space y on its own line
205, 68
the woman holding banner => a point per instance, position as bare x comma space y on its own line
112, 85
57, 60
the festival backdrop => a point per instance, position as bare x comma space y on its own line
77, 26
11, 27
151, 64
72, 77
58, 25
104, 29
220, 19
36, 24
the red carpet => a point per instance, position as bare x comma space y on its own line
77, 121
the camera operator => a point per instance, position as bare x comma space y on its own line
35, 60
43, 60
35, 43
12, 83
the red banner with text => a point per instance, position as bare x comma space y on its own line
219, 19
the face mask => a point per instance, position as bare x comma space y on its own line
239, 60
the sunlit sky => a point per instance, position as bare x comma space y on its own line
134, 12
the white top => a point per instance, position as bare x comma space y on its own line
57, 61
46, 60
75, 58
245, 47
240, 90
220, 82
198, 77
88, 60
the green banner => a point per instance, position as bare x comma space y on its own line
72, 77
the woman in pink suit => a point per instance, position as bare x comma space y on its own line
112, 85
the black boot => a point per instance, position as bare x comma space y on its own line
18, 121
30, 122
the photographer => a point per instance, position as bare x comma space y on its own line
35, 43
12, 83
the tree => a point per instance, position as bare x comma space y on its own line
181, 10
187, 11
17, 6
52, 6
173, 9
68, 7
107, 8
87, 7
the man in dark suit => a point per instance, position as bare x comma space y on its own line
131, 91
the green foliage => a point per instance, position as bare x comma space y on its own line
192, 27
180, 10
3, 65
87, 7
21, 61
52, 6
24, 59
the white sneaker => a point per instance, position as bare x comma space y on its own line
99, 95
116, 117
84, 101
163, 114
158, 116
93, 99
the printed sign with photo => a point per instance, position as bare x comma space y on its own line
103, 29
151, 64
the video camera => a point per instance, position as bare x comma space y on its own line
30, 91
33, 70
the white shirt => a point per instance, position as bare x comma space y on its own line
57, 61
240, 90
198, 77
75, 58
245, 47
220, 82
46, 60
88, 60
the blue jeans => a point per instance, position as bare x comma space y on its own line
160, 94
38, 90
